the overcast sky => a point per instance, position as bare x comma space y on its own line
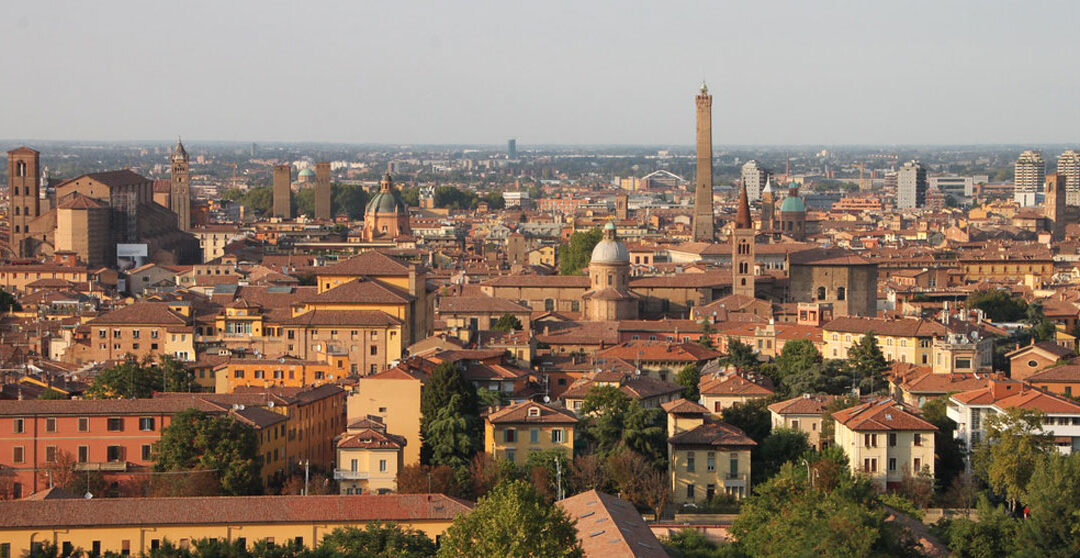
576, 72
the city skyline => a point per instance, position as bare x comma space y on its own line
425, 74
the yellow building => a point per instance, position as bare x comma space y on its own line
720, 391
900, 340
285, 371
514, 431
705, 457
803, 413
885, 440
394, 397
135, 526
368, 459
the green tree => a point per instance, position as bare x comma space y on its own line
867, 364
349, 200
575, 255
690, 378
132, 378
449, 197
797, 360
999, 305
450, 418
51, 394
691, 543
507, 322
612, 420
783, 445
196, 441
949, 451
1015, 442
740, 355
994, 534
752, 417
9, 303
1053, 498
378, 540
512, 521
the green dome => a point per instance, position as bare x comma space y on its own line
307, 172
386, 202
793, 204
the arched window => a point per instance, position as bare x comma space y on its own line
16, 210
610, 278
840, 293
821, 293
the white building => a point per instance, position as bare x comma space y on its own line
911, 186
754, 178
1029, 174
1068, 164
970, 409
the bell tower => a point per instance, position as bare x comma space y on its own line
704, 226
24, 186
180, 186
742, 249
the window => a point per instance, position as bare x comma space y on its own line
374, 350
19, 426
511, 455
690, 461
146, 424
382, 465
153, 334
892, 439
84, 454
557, 436
146, 452
50, 425
115, 453
534, 436
841, 292
115, 424
50, 454
870, 465
733, 465
510, 435
918, 465
918, 439
710, 461
101, 334
795, 424
18, 455
689, 492
963, 363
870, 440
821, 293
892, 463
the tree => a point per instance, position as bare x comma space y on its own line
612, 420
195, 440
378, 540
61, 472
450, 418
132, 378
781, 446
575, 255
740, 355
1053, 497
507, 322
691, 543
798, 361
426, 479
867, 364
655, 492
512, 521
8, 303
588, 473
51, 394
949, 451
690, 378
993, 535
1015, 442
999, 305
752, 417
549, 471
628, 471
828, 423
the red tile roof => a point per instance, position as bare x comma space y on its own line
803, 405
523, 413
371, 263
882, 415
608, 527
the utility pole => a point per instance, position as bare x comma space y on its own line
307, 464
558, 480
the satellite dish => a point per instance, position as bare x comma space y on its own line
547, 399
88, 495
270, 404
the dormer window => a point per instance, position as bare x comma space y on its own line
534, 411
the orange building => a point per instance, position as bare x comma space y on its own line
285, 371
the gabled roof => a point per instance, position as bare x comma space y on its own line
343, 318
683, 407
886, 326
881, 415
1050, 349
361, 291
370, 263
608, 527
1069, 373
532, 413
142, 313
369, 438
732, 385
713, 434
803, 405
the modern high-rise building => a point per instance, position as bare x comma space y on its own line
911, 186
322, 191
283, 191
1068, 165
511, 149
704, 225
754, 177
180, 186
1028, 178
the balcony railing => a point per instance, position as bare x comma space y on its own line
346, 474
112, 466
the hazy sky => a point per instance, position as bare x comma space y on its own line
579, 72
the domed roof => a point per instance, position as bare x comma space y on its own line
387, 200
609, 250
307, 172
793, 204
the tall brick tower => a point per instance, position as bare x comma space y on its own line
283, 191
322, 191
742, 249
704, 227
24, 183
180, 186
1054, 209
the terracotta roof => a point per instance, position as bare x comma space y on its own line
608, 527
115, 407
563, 281
343, 318
141, 313
882, 415
470, 304
361, 291
827, 257
803, 405
683, 407
732, 385
889, 327
742, 213
370, 263
123, 177
656, 351
1047, 346
369, 438
23, 150
712, 434
1068, 373
115, 512
520, 413
79, 201
929, 382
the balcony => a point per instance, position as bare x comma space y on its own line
107, 466
346, 474
736, 479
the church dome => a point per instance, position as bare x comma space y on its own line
307, 173
610, 250
386, 201
793, 204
